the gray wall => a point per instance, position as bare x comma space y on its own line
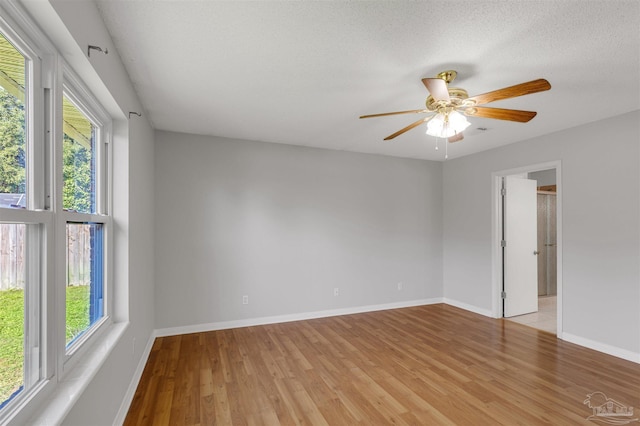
601, 225
285, 225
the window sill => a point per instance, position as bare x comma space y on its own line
70, 387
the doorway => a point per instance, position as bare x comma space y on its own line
546, 205
547, 314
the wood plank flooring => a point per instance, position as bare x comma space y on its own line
427, 365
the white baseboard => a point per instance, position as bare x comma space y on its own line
249, 322
467, 307
133, 385
602, 347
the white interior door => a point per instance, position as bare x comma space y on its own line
520, 252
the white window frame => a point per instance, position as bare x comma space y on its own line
48, 79
39, 224
78, 94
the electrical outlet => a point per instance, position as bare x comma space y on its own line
336, 291
400, 286
245, 300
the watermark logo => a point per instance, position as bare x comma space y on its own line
609, 411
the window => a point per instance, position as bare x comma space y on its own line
85, 217
12, 310
78, 159
21, 228
55, 223
84, 305
13, 125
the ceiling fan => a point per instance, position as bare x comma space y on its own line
448, 104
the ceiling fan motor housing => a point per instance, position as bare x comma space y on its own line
457, 97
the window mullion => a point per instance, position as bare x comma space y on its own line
36, 137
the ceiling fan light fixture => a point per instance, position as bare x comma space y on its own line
445, 125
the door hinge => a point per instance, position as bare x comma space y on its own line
503, 191
504, 294
503, 243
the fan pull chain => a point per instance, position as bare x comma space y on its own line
437, 139
446, 150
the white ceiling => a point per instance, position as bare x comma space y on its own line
302, 72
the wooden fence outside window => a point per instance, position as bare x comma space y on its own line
12, 255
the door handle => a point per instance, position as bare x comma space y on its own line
536, 252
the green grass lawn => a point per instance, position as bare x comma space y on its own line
77, 311
12, 332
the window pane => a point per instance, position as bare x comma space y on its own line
12, 126
12, 310
84, 291
78, 153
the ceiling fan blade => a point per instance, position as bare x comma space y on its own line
409, 127
522, 89
500, 114
413, 111
456, 138
438, 88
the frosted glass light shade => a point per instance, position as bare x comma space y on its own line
440, 127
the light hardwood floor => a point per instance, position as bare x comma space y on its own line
427, 365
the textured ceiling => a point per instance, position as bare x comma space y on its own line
301, 72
